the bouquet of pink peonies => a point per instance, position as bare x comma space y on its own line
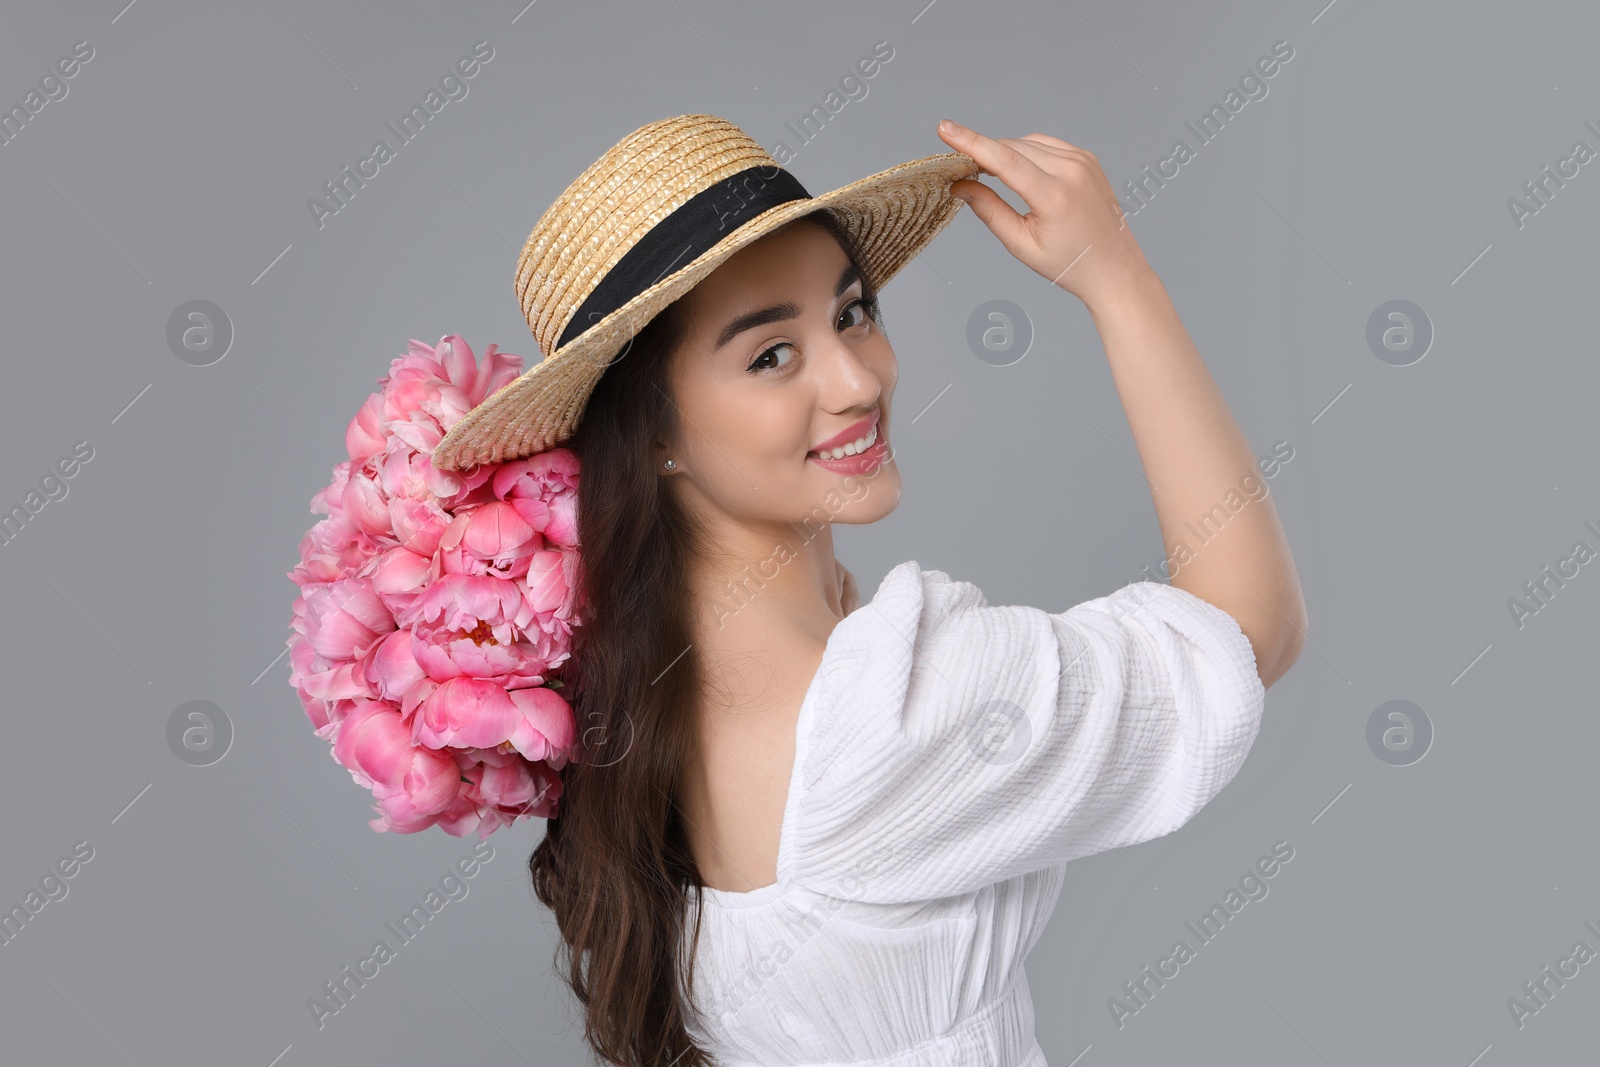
436, 608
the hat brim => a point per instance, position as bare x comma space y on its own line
892, 215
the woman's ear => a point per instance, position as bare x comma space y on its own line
665, 463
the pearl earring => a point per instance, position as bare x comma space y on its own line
670, 464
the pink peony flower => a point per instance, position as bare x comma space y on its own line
437, 608
413, 784
550, 478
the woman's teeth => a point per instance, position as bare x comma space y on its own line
860, 444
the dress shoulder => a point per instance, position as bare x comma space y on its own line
950, 744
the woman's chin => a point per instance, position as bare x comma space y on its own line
860, 499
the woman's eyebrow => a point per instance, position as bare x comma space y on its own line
780, 312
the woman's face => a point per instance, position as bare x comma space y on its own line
781, 356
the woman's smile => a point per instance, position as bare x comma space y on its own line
856, 449
869, 459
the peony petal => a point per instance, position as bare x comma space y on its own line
546, 727
498, 531
393, 670
547, 580
365, 435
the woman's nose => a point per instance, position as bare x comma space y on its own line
849, 377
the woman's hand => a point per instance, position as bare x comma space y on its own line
1074, 234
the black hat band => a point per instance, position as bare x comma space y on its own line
683, 236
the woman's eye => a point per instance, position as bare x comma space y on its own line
757, 365
864, 305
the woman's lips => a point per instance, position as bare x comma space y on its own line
853, 433
861, 463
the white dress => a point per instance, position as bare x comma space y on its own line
950, 758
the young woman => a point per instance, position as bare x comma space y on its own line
808, 831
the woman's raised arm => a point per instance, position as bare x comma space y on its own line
1195, 456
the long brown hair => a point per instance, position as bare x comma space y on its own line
615, 865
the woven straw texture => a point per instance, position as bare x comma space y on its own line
638, 182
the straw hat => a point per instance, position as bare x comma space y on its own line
660, 210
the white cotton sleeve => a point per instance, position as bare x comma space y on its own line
953, 744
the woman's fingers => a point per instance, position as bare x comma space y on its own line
1046, 157
992, 210
1071, 210
1028, 166
1053, 147
1053, 142
1008, 160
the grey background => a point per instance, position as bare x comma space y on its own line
1418, 500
